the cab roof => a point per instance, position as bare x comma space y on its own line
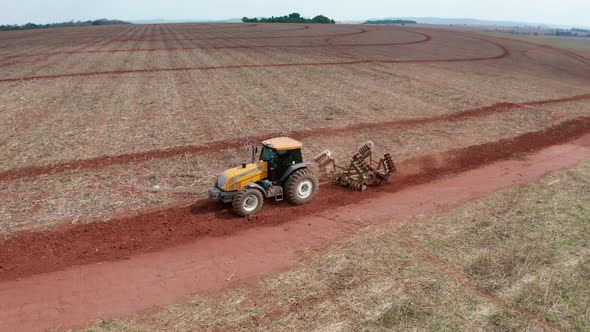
283, 143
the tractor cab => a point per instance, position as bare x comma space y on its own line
280, 153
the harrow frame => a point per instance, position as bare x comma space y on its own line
362, 171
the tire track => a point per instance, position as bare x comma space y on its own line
579, 58
224, 38
426, 38
29, 253
217, 146
49, 54
450, 271
84, 45
503, 54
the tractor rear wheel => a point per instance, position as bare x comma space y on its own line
301, 186
247, 201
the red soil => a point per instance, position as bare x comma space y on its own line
73, 297
217, 146
580, 58
360, 31
220, 234
556, 101
425, 38
504, 53
29, 253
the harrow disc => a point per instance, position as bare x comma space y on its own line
362, 171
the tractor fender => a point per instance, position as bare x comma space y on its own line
256, 186
294, 168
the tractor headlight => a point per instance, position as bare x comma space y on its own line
221, 181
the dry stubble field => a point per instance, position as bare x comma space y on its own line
109, 121
114, 133
515, 261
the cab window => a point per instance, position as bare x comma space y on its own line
267, 153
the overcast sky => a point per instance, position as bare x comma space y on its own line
566, 12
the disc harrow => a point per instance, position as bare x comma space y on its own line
362, 171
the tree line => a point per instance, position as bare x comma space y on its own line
30, 26
573, 32
291, 18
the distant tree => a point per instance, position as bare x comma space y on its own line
28, 26
291, 18
322, 19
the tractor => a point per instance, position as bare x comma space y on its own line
280, 173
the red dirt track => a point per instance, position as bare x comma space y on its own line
78, 101
504, 53
580, 58
73, 297
101, 162
28, 253
425, 38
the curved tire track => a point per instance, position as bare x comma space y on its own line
29, 253
360, 31
503, 54
425, 38
579, 58
216, 146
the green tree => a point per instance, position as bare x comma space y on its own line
322, 19
291, 18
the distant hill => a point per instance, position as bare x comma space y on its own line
31, 26
472, 21
390, 22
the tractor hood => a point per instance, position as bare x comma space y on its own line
238, 177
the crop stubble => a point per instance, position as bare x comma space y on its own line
135, 95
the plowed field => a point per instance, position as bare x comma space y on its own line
111, 135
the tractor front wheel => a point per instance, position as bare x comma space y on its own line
247, 201
301, 186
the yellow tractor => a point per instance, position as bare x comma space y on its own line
279, 173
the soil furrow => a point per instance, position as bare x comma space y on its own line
28, 253
425, 38
217, 146
504, 53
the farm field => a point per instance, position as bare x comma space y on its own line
111, 135
516, 260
